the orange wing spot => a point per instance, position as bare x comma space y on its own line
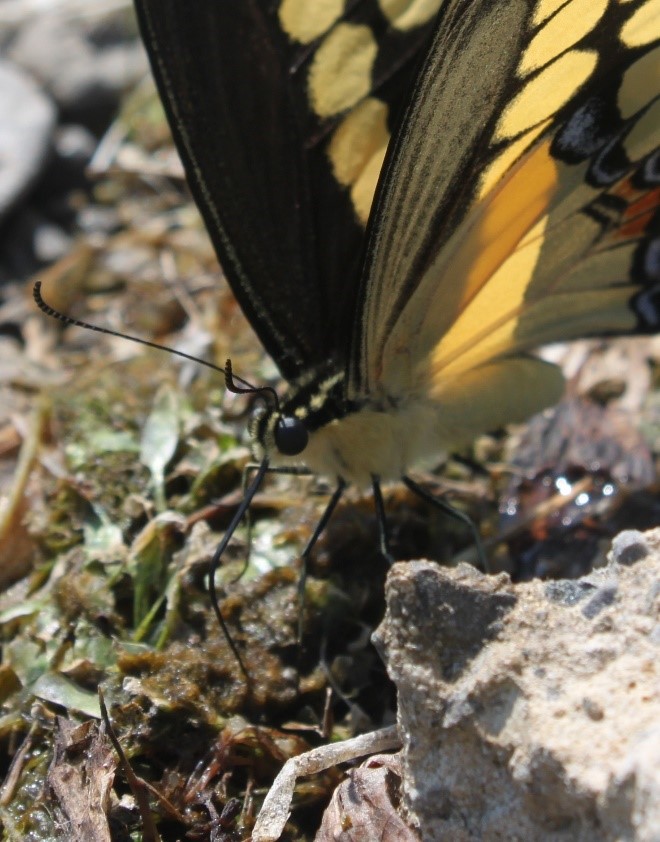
506, 215
625, 189
639, 214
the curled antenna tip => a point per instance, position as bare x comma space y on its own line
56, 314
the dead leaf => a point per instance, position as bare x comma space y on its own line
81, 777
365, 806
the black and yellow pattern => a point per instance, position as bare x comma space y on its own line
538, 218
278, 167
518, 202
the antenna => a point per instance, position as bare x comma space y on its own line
266, 392
230, 378
67, 320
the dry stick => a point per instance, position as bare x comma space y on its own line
137, 785
277, 804
16, 768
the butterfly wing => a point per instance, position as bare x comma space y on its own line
519, 206
280, 113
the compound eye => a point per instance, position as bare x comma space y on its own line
291, 436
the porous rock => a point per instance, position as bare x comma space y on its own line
530, 711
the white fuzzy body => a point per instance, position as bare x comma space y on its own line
389, 443
371, 443
385, 444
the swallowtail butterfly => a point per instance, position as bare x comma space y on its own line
408, 196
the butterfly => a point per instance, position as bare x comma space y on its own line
409, 196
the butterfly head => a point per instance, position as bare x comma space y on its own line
285, 430
277, 433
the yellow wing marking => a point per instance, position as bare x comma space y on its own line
442, 304
545, 94
644, 25
504, 294
341, 72
407, 14
526, 268
545, 9
578, 314
561, 32
357, 149
362, 192
305, 21
563, 280
502, 221
536, 250
507, 158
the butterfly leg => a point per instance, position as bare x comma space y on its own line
249, 490
254, 466
452, 512
217, 555
383, 534
320, 526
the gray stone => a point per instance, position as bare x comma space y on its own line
69, 57
530, 711
27, 121
51, 242
629, 547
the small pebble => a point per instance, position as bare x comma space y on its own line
51, 242
593, 709
603, 597
568, 591
628, 547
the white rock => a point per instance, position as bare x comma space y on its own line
27, 121
530, 711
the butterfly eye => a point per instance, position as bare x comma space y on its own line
291, 436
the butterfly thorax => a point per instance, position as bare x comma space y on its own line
318, 428
312, 402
